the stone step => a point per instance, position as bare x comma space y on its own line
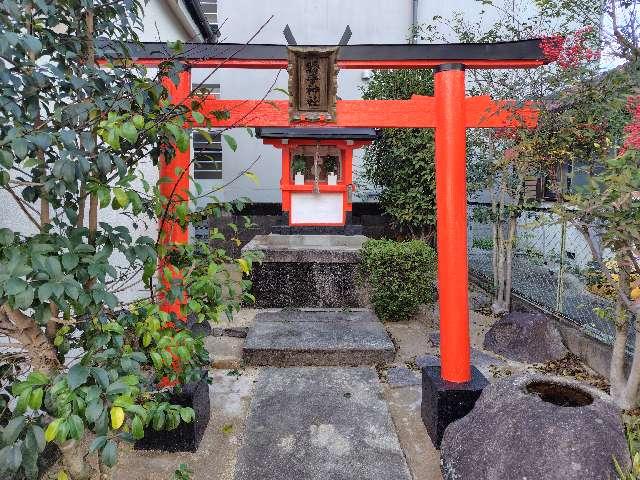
317, 337
319, 423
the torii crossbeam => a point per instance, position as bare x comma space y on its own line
449, 111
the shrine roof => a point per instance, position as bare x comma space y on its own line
326, 133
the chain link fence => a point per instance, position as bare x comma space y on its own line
552, 267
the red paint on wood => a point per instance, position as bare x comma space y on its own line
177, 190
418, 112
451, 212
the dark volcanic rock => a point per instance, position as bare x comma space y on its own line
515, 431
525, 337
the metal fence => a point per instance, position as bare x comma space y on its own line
552, 267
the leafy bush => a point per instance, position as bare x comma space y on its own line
400, 276
400, 162
74, 139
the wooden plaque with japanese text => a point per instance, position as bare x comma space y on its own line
312, 83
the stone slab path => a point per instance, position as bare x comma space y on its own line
308, 423
317, 337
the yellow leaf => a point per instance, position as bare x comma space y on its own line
62, 475
244, 265
52, 430
253, 177
117, 417
635, 293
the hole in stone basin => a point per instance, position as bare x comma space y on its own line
561, 395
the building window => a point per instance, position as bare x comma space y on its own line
207, 157
208, 89
210, 10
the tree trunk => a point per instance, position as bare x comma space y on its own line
508, 274
74, 462
629, 398
27, 332
616, 368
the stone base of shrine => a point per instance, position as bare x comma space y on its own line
445, 402
313, 271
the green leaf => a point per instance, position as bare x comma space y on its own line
233, 145
109, 454
187, 414
182, 141
117, 388
137, 429
11, 431
44, 292
121, 197
24, 299
198, 117
158, 420
129, 132
14, 458
98, 443
38, 435
70, 261
23, 401
30, 461
32, 44
14, 286
156, 359
37, 378
76, 427
77, 376
53, 267
35, 399
52, 429
101, 376
6, 236
138, 121
94, 410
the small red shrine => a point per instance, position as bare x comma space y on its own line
317, 172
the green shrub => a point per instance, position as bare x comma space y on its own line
400, 276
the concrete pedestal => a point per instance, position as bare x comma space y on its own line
312, 271
445, 402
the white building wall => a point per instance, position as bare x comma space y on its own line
160, 19
312, 22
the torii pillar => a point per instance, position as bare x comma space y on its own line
451, 222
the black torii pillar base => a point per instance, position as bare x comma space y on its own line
445, 402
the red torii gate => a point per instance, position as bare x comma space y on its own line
449, 111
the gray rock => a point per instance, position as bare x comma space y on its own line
479, 301
427, 361
525, 337
516, 434
236, 332
319, 423
403, 377
296, 338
